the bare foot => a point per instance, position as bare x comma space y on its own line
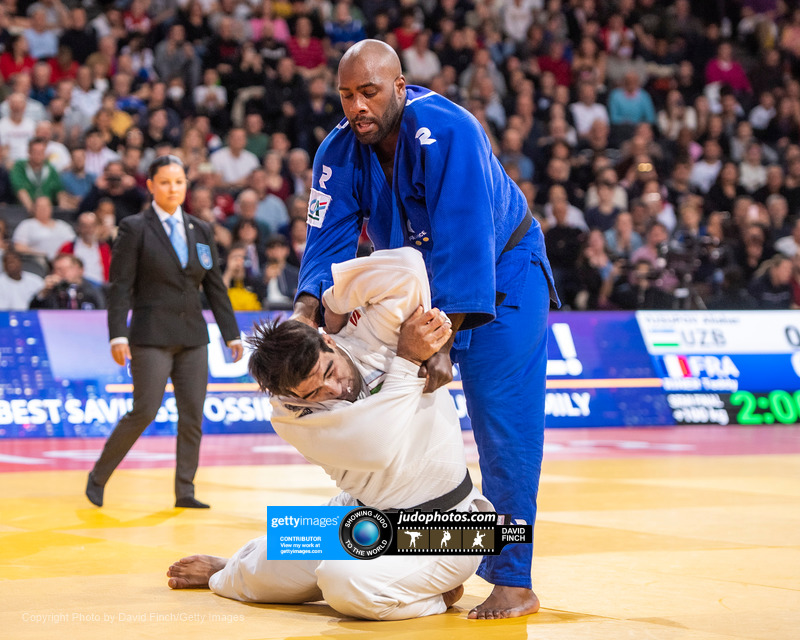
506, 602
453, 596
193, 572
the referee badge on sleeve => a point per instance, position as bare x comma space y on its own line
318, 204
204, 255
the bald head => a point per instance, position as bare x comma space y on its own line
17, 103
374, 54
373, 91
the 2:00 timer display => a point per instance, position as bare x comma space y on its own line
778, 406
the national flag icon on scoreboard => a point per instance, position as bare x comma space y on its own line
676, 366
701, 367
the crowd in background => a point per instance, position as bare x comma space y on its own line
658, 142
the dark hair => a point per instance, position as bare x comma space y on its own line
283, 354
276, 239
13, 41
656, 223
163, 161
242, 222
733, 279
114, 163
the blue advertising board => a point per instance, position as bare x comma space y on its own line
57, 378
600, 374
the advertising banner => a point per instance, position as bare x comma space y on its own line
649, 368
57, 379
599, 373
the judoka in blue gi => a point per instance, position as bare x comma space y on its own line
420, 170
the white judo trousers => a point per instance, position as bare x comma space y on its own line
386, 588
395, 449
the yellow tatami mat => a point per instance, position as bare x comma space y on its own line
704, 548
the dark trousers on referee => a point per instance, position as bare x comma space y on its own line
150, 369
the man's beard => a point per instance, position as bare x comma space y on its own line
385, 125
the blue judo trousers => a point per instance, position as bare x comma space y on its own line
503, 373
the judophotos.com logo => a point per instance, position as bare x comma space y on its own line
365, 533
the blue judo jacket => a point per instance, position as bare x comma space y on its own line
450, 199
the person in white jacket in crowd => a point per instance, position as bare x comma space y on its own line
352, 403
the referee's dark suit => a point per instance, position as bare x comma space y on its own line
167, 336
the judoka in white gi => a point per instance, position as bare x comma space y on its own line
358, 411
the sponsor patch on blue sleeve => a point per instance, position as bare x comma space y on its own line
318, 204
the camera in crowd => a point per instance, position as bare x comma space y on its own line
646, 273
684, 256
67, 291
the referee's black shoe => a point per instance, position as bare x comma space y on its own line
94, 491
191, 503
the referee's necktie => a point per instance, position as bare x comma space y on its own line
178, 242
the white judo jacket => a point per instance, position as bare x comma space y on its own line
395, 447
